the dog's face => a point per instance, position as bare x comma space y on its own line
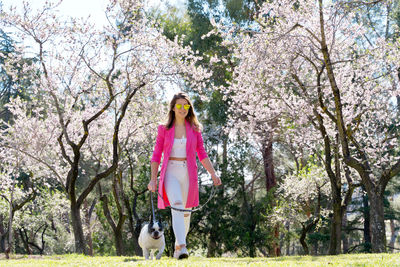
155, 229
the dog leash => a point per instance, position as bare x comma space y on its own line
152, 206
213, 191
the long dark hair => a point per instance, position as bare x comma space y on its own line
190, 117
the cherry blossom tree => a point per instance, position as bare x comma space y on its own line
16, 190
87, 80
308, 75
42, 224
301, 195
136, 132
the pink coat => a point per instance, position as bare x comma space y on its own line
194, 143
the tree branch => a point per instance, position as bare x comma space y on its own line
114, 165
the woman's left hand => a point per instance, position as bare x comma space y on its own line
216, 180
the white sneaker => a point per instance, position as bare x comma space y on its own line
182, 253
176, 252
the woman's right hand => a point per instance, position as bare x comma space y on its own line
152, 186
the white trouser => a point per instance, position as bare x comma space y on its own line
177, 188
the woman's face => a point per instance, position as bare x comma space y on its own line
181, 113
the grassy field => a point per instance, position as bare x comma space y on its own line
79, 260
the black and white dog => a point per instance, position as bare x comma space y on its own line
151, 238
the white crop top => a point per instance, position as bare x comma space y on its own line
179, 148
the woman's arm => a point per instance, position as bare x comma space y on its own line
152, 186
158, 148
205, 161
208, 166
156, 158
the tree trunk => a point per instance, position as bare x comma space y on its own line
25, 241
345, 239
132, 213
288, 239
119, 244
134, 228
367, 228
310, 225
2, 235
88, 215
252, 245
116, 227
398, 98
304, 231
9, 247
303, 240
277, 248
336, 227
80, 244
378, 241
270, 182
267, 153
315, 248
2, 243
41, 249
393, 235
281, 240
336, 186
137, 228
212, 245
336, 231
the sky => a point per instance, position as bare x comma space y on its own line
74, 8
95, 10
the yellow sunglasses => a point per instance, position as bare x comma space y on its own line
179, 106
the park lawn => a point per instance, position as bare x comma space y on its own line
80, 260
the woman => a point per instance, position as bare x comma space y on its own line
179, 140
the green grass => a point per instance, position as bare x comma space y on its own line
79, 260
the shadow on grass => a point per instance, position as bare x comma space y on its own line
133, 260
293, 258
20, 257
